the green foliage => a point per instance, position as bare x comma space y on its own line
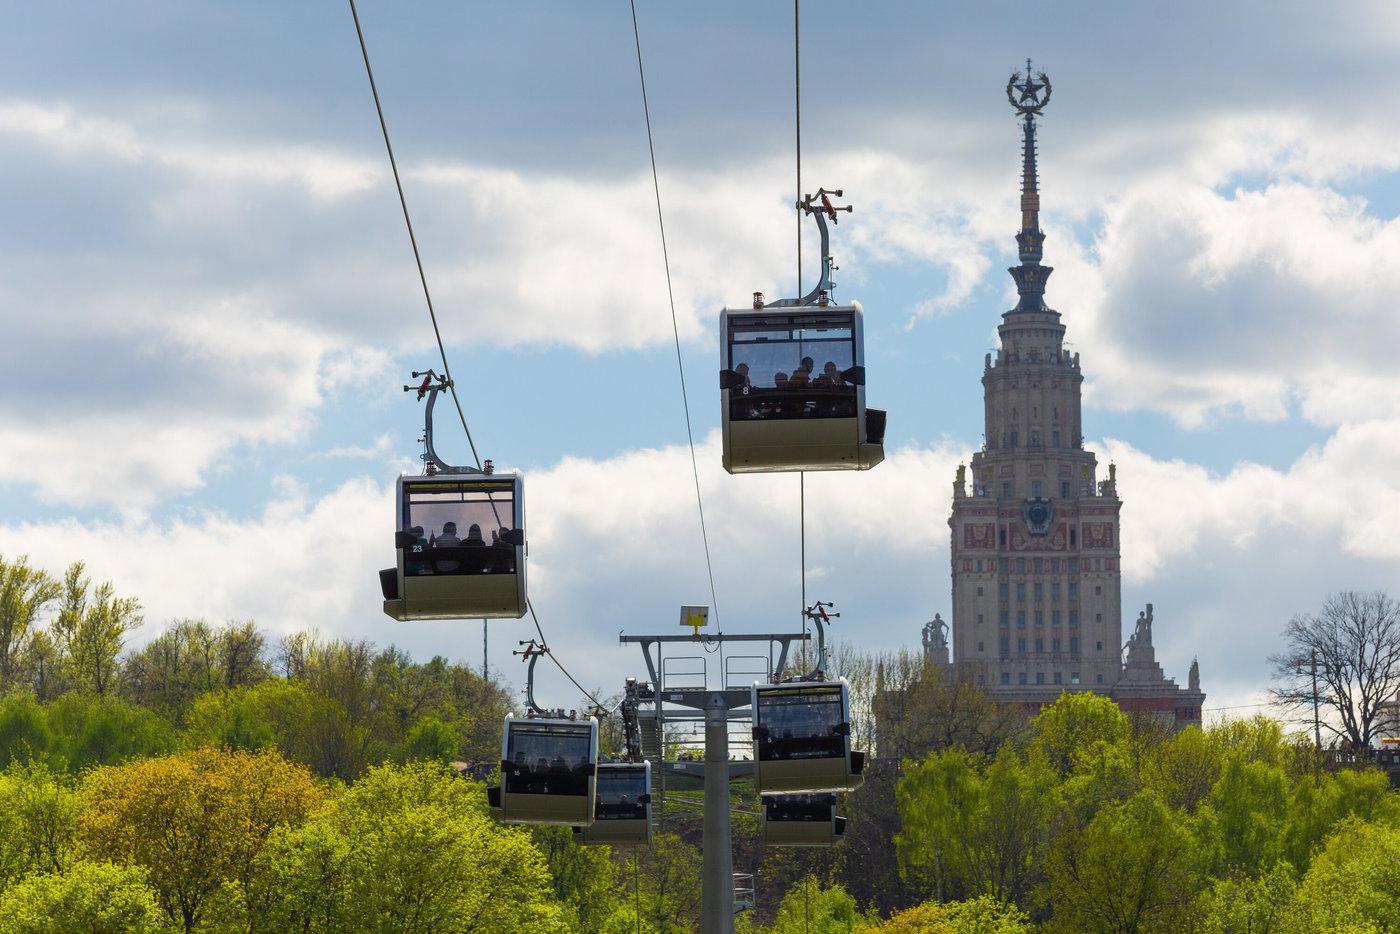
983, 915
90, 730
809, 907
196, 821
38, 811
24, 593
666, 876
90, 631
1245, 816
1353, 884
24, 730
430, 738
79, 731
408, 849
1240, 904
976, 828
1133, 868
584, 878
1071, 729
89, 898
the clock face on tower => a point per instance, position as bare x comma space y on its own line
1038, 513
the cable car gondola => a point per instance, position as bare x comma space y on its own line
802, 738
549, 770
802, 820
792, 380
622, 812
460, 538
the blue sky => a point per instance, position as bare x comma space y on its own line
211, 303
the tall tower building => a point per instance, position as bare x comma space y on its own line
1037, 603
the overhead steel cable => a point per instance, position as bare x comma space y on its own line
412, 238
671, 297
797, 138
560, 665
432, 313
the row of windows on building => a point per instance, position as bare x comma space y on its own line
1023, 678
1041, 565
1038, 591
1004, 618
1039, 645
1012, 438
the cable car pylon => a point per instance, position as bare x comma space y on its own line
716, 708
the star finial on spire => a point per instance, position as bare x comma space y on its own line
1023, 91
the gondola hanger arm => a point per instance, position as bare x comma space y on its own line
820, 208
431, 385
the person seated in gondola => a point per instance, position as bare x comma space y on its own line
830, 377
474, 539
448, 539
416, 565
744, 382
802, 376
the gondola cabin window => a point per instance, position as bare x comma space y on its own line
548, 759
621, 793
460, 527
801, 723
792, 367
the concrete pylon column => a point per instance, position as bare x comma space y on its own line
717, 900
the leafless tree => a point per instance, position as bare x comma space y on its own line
1356, 638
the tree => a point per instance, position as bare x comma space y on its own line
1355, 639
24, 593
808, 907
196, 821
667, 875
1245, 816
974, 830
407, 849
1132, 870
584, 878
90, 898
38, 812
1240, 904
24, 730
1069, 729
89, 632
89, 730
1353, 884
982, 915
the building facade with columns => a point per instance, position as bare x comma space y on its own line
1036, 550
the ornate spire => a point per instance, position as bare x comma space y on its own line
1028, 94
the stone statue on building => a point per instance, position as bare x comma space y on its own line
960, 484
936, 641
935, 634
1194, 677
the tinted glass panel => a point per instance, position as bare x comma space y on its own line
800, 723
547, 759
791, 366
459, 527
799, 807
619, 793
